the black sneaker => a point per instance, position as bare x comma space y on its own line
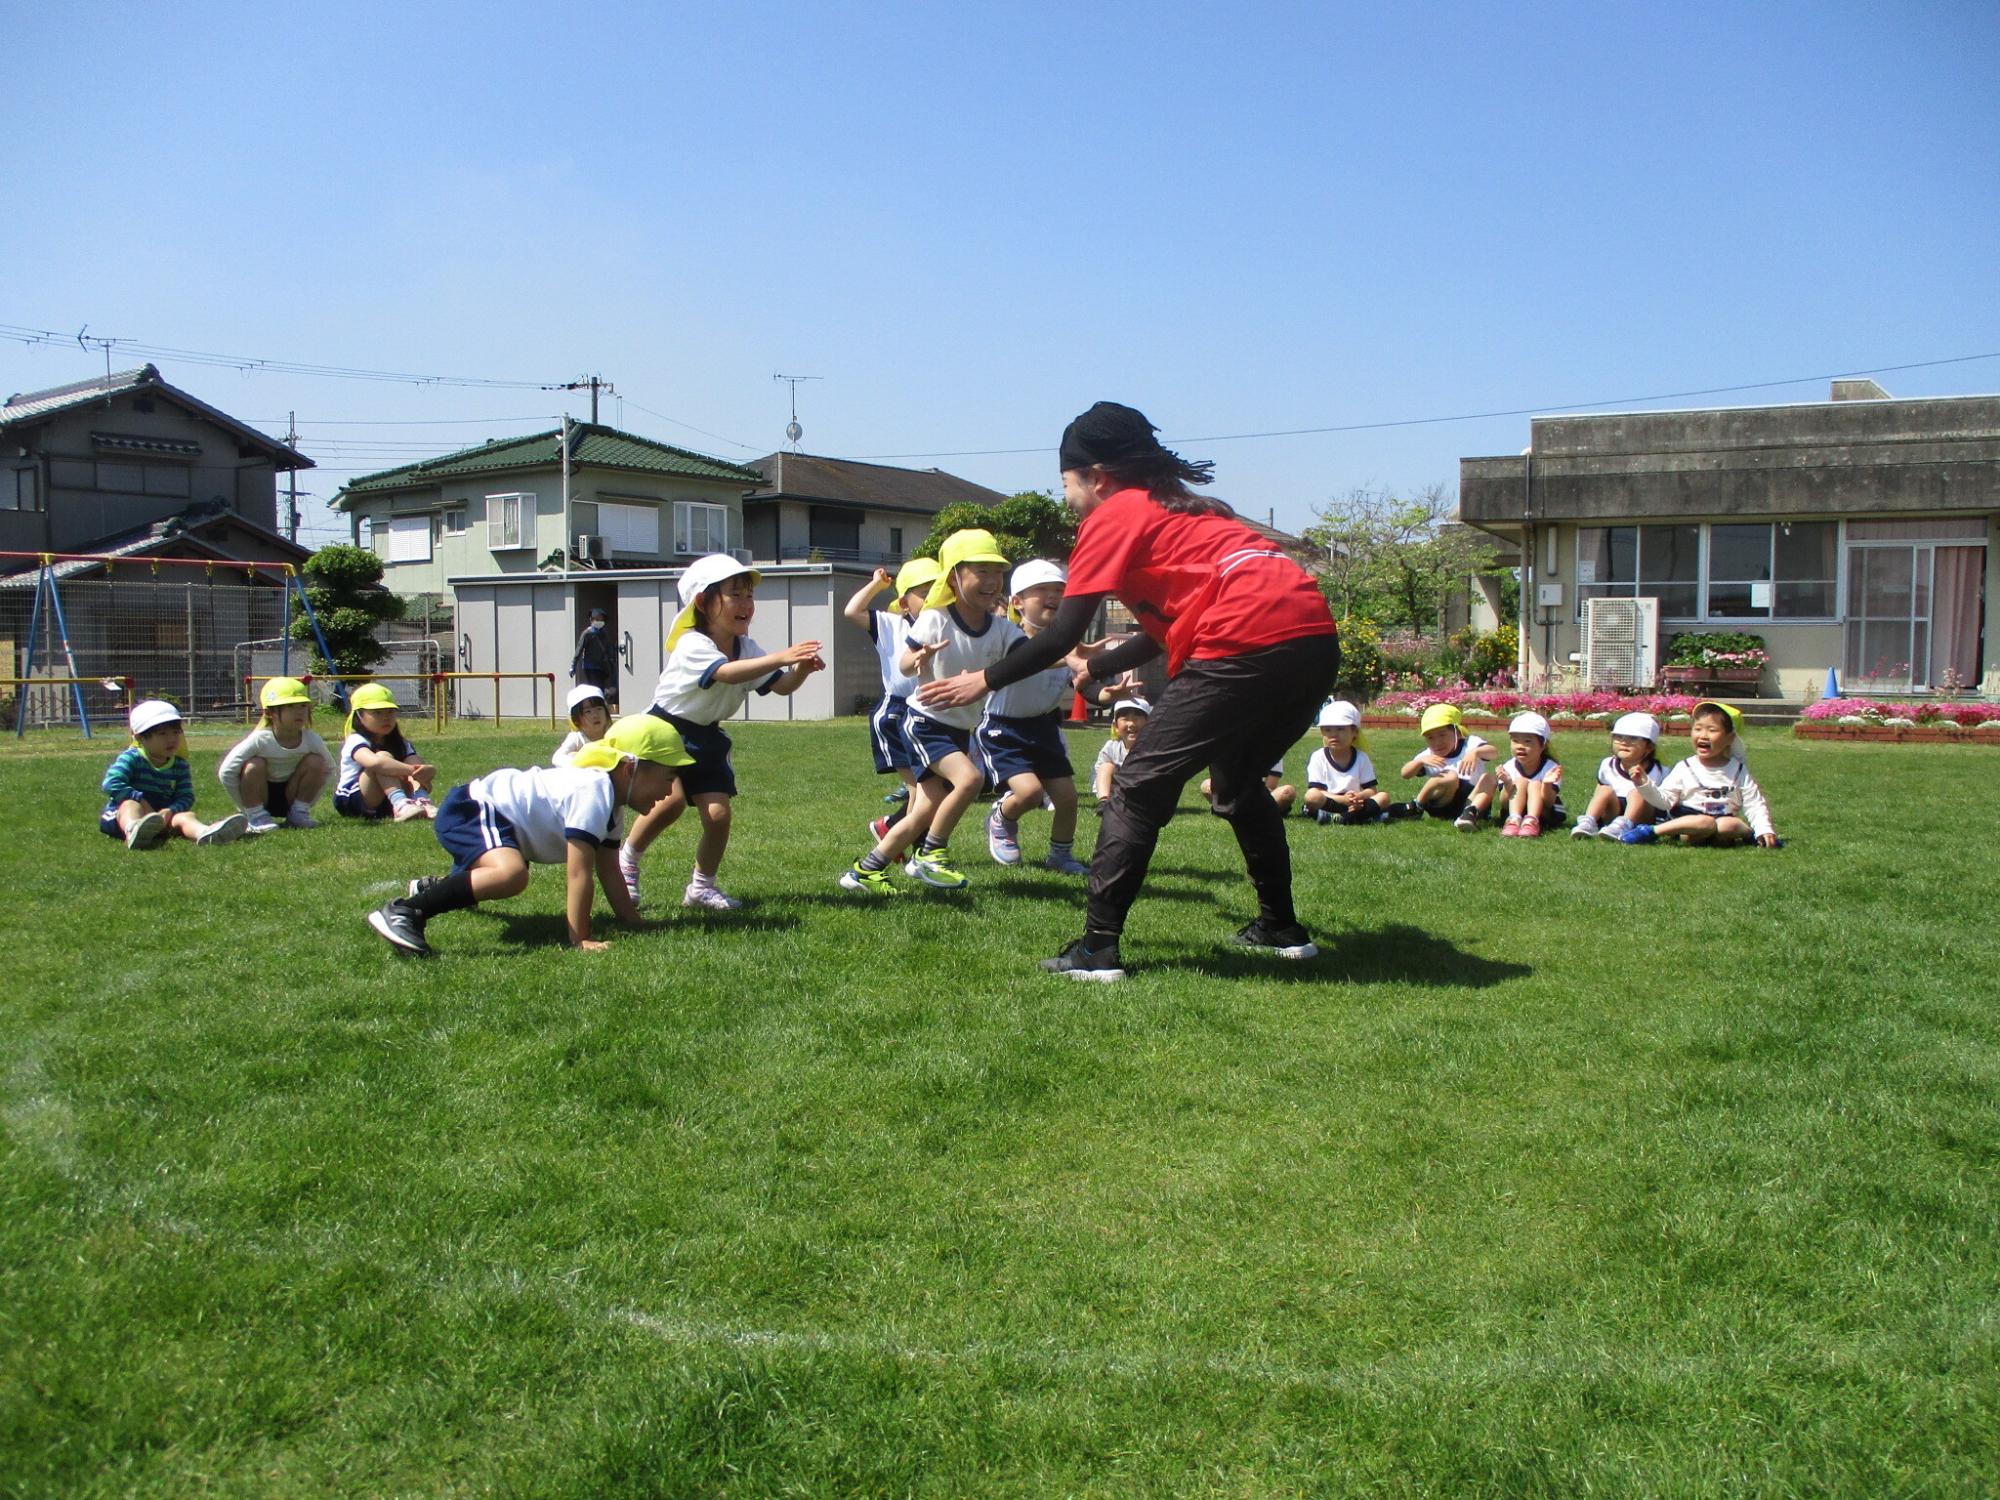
423, 883
1081, 961
1286, 942
401, 928
1401, 810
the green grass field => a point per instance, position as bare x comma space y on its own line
1569, 1169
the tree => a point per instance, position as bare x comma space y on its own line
1031, 524
1396, 560
344, 585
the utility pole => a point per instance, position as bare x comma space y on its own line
292, 480
594, 383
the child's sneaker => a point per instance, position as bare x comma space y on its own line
1066, 864
1398, 811
259, 822
1322, 816
868, 882
401, 928
1003, 838
712, 897
1511, 829
878, 828
898, 798
300, 817
1586, 826
935, 869
407, 809
1466, 821
428, 808
1639, 833
628, 866
1531, 828
1286, 942
1081, 961
226, 831
147, 832
1617, 828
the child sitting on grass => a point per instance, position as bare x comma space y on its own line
1457, 784
281, 766
1340, 778
1616, 805
1532, 779
380, 773
498, 825
1128, 717
1711, 797
152, 790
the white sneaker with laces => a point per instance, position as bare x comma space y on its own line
1066, 864
259, 822
224, 831
300, 817
1003, 839
712, 897
147, 832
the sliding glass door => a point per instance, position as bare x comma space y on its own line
1913, 606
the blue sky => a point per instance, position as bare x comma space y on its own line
973, 221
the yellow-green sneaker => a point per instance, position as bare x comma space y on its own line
868, 882
935, 868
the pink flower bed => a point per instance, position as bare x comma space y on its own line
1502, 702
1874, 711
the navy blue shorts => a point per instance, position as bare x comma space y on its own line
709, 745
468, 828
885, 735
1459, 798
1012, 747
930, 742
354, 805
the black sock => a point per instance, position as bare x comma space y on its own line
453, 893
932, 843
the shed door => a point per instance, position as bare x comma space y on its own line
478, 625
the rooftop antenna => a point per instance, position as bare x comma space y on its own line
793, 432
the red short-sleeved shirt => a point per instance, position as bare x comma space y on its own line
1204, 586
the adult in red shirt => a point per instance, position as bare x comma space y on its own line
1251, 654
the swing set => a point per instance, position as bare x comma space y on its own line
46, 618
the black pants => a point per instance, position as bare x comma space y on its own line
1235, 716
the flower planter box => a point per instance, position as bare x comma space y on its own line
1922, 734
1712, 679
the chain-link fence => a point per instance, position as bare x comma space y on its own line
409, 671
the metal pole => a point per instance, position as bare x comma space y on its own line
187, 595
28, 665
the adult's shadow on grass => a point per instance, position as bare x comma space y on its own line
1387, 955
541, 929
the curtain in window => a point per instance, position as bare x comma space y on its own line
1957, 573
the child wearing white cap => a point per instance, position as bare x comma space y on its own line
712, 668
1615, 804
1128, 717
151, 789
1019, 741
1531, 779
589, 717
1340, 778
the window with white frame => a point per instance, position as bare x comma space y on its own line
1732, 571
510, 522
700, 528
630, 529
409, 539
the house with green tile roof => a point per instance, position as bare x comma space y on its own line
514, 505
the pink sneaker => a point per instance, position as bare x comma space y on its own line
629, 868
1531, 828
1511, 829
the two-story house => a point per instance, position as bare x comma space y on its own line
843, 510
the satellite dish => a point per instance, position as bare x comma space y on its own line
794, 432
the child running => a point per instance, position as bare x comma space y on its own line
1340, 778
1711, 797
1128, 717
1532, 779
589, 718
498, 825
712, 668
381, 774
1615, 804
1457, 784
958, 631
279, 769
152, 790
1020, 741
887, 628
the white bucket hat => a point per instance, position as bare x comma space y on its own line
1638, 727
703, 574
1035, 572
583, 693
1336, 713
1131, 706
151, 714
1529, 723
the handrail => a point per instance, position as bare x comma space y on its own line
493, 677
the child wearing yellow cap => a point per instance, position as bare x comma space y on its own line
151, 789
381, 774
958, 631
1457, 784
1711, 797
498, 825
278, 769
712, 667
887, 628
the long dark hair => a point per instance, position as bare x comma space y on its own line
1165, 476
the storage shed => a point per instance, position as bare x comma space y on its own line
530, 623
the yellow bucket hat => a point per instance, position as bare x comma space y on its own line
1733, 714
638, 737
917, 573
368, 695
280, 692
1441, 716
703, 574
969, 546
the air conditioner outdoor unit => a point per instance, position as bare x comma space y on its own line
1621, 642
590, 547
